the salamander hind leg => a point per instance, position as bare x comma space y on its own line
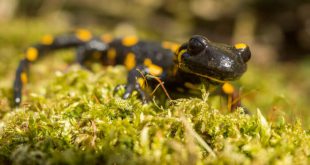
35, 52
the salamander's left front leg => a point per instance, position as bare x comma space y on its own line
233, 98
135, 80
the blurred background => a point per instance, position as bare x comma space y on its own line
278, 32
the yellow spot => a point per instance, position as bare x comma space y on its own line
180, 55
228, 88
130, 41
32, 54
240, 46
47, 39
130, 61
170, 45
153, 69
111, 54
147, 62
106, 38
141, 81
24, 77
83, 35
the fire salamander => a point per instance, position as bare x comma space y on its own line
175, 65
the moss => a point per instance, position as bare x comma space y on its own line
76, 119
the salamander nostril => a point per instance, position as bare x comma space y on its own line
195, 46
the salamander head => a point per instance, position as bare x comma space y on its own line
213, 60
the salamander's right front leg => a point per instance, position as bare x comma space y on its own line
135, 80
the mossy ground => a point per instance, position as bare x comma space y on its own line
72, 117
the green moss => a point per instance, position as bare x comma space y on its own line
76, 119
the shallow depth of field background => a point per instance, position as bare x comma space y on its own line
278, 32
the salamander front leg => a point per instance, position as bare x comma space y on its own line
233, 98
135, 82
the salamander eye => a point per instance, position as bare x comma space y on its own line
244, 51
195, 46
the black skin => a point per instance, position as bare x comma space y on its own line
220, 61
193, 61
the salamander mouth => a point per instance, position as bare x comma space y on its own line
184, 68
182, 65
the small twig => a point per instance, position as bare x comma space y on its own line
242, 96
161, 84
145, 80
155, 89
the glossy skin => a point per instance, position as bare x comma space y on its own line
219, 61
173, 64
